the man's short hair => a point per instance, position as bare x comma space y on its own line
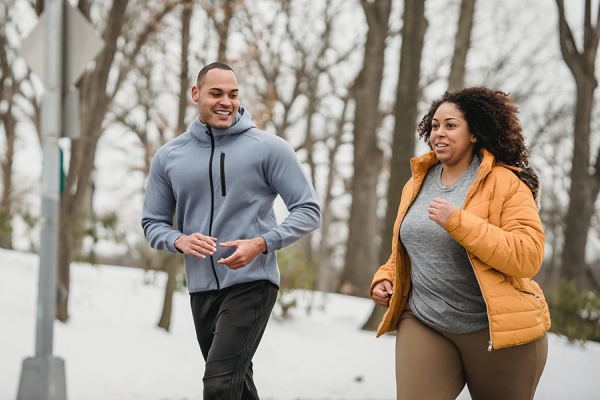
215, 65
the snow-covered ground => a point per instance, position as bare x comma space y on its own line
114, 351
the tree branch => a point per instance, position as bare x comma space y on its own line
84, 7
568, 46
151, 27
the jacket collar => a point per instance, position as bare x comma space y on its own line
242, 122
420, 165
529, 176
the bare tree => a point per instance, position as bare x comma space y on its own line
461, 45
127, 26
221, 13
405, 112
140, 123
301, 97
15, 102
362, 246
266, 47
173, 262
7, 89
585, 185
326, 273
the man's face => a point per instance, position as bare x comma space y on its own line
217, 98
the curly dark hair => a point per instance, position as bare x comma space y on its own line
492, 119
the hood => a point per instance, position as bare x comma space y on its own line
530, 177
242, 122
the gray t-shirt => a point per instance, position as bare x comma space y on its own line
445, 293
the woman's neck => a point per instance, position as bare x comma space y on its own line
452, 173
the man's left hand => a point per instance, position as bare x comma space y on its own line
246, 251
440, 211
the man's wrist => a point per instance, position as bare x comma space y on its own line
179, 239
262, 244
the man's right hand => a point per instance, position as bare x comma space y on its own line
382, 293
196, 245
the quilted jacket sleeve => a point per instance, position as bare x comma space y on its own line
516, 246
384, 273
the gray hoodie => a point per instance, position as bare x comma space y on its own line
229, 199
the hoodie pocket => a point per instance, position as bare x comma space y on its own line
223, 186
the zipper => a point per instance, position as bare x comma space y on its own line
223, 187
212, 199
487, 308
529, 293
472, 193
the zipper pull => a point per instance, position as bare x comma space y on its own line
490, 346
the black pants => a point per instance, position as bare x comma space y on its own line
229, 326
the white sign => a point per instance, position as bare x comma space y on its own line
81, 46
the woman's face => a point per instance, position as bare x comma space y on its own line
450, 137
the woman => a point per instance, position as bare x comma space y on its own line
467, 241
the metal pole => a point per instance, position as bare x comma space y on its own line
43, 376
51, 128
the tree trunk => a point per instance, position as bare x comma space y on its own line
72, 208
184, 79
456, 79
172, 269
171, 260
9, 123
309, 142
583, 191
362, 246
405, 112
584, 186
8, 84
326, 273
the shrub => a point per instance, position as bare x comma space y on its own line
575, 314
298, 278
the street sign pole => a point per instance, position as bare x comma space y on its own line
58, 51
43, 376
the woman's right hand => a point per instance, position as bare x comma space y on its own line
382, 293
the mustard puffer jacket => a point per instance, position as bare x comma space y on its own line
500, 228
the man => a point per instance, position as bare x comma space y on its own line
220, 179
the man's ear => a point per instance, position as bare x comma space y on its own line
195, 93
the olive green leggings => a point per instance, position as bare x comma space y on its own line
434, 365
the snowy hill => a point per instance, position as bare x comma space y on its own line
113, 349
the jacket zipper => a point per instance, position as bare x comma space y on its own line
223, 187
486, 304
472, 266
212, 199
